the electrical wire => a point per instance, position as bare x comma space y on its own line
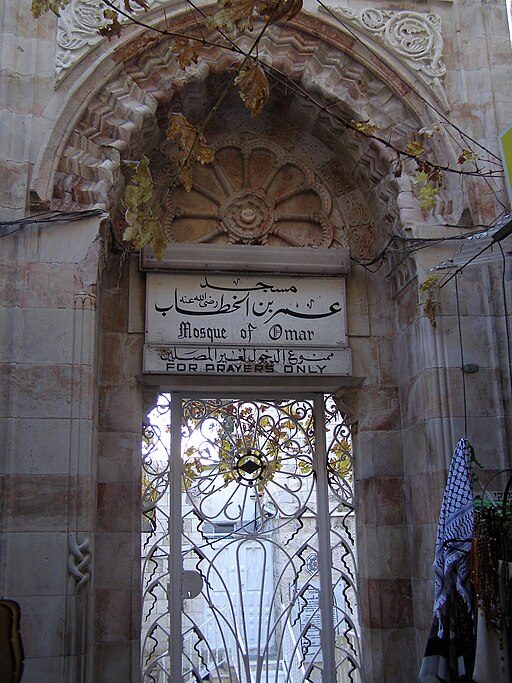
417, 243
49, 217
429, 104
501, 233
461, 346
505, 307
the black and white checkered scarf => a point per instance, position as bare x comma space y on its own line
454, 533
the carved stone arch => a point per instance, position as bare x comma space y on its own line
126, 118
347, 192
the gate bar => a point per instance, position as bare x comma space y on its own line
174, 557
323, 521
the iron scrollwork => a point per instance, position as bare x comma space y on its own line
249, 501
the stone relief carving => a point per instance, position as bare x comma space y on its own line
254, 193
414, 37
77, 30
360, 227
78, 560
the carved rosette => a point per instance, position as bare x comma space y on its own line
248, 216
253, 193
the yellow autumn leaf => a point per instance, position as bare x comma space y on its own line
428, 190
186, 51
428, 172
192, 146
277, 10
145, 230
40, 7
429, 132
141, 4
468, 155
254, 87
428, 196
114, 27
234, 15
366, 127
190, 141
140, 188
142, 227
421, 177
155, 237
415, 148
133, 196
429, 283
185, 176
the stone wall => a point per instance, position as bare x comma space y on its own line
70, 404
48, 424
118, 522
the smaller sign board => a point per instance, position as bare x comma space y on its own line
311, 624
310, 619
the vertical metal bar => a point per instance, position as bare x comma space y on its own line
323, 521
174, 557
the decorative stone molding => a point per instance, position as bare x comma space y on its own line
124, 119
78, 560
85, 301
414, 37
347, 403
253, 193
401, 272
77, 30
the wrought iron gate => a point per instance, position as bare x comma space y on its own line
249, 567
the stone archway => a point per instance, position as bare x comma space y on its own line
339, 189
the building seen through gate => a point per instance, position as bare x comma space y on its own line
261, 534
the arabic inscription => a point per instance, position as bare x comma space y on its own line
245, 325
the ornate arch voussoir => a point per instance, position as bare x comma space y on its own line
412, 39
125, 120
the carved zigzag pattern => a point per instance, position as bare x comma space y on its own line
86, 174
120, 111
122, 121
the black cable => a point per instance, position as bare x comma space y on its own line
461, 345
119, 245
419, 243
12, 231
429, 104
504, 231
34, 216
51, 217
459, 270
507, 322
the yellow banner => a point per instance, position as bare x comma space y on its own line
505, 141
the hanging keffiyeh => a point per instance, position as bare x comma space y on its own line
449, 655
454, 533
